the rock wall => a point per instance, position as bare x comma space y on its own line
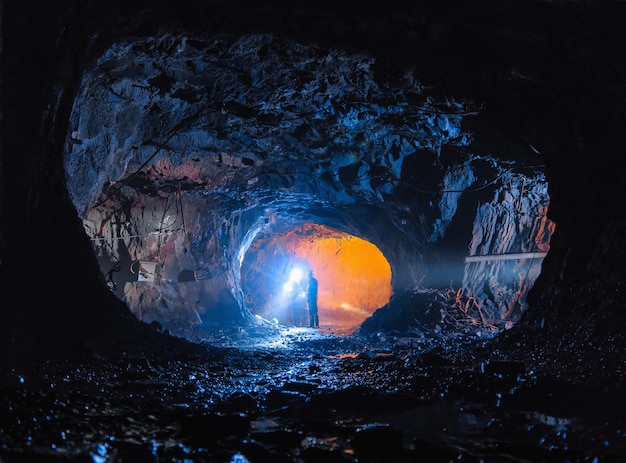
513, 222
187, 287
181, 149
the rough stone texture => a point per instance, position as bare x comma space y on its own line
545, 89
551, 75
182, 149
205, 113
513, 222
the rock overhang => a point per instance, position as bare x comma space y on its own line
228, 110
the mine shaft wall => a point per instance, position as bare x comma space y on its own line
510, 237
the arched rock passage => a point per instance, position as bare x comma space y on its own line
182, 149
354, 277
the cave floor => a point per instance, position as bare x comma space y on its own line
302, 395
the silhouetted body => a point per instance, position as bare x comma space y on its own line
312, 301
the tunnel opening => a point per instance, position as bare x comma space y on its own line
353, 274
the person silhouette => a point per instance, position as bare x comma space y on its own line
311, 298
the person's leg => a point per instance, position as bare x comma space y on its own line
314, 317
311, 307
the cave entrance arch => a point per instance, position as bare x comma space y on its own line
353, 274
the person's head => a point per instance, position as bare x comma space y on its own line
310, 273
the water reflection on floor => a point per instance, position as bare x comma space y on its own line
305, 395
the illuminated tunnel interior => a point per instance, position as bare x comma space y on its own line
449, 171
354, 277
175, 164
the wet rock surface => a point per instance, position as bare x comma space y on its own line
300, 395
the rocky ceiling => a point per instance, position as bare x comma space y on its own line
182, 149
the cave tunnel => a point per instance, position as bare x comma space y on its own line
354, 277
166, 179
450, 173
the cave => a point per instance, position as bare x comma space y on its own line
354, 277
172, 174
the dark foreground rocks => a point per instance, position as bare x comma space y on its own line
315, 398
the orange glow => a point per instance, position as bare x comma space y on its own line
543, 229
354, 276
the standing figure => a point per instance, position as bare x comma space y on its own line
312, 300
